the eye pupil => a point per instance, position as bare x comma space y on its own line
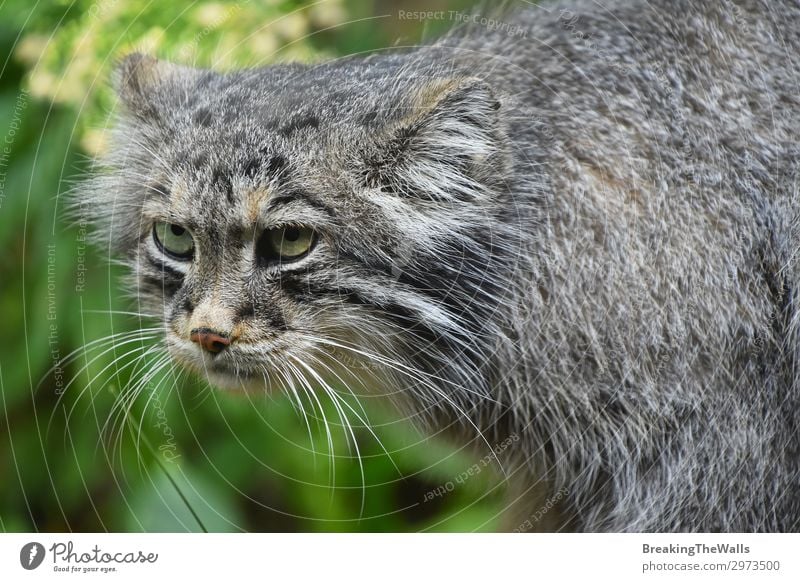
174, 240
292, 234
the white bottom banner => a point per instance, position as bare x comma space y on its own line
399, 557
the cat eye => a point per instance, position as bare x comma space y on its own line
285, 244
173, 240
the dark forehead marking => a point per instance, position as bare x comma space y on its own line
199, 161
270, 166
369, 118
295, 195
221, 180
203, 117
251, 167
264, 165
276, 165
298, 123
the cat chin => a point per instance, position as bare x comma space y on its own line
233, 383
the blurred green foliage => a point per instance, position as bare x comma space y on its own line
77, 453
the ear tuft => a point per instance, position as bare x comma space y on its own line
450, 144
137, 76
467, 96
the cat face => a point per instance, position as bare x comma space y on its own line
289, 222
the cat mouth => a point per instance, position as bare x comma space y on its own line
233, 369
218, 371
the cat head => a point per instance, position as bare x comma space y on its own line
289, 220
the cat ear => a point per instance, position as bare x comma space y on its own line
450, 145
138, 76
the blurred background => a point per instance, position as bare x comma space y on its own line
76, 452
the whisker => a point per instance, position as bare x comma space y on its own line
364, 421
346, 422
310, 392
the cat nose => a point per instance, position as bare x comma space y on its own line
210, 340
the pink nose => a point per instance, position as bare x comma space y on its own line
210, 340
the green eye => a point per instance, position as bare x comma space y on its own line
174, 240
286, 244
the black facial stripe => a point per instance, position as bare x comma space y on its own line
188, 304
277, 320
245, 311
167, 286
464, 291
165, 269
406, 318
299, 290
372, 263
434, 283
469, 288
270, 165
468, 293
181, 303
464, 345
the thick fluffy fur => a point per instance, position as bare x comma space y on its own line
584, 235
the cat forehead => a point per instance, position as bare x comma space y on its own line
241, 186
281, 99
236, 176
284, 118
240, 139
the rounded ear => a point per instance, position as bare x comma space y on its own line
138, 76
449, 143
466, 100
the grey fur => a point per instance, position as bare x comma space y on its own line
585, 235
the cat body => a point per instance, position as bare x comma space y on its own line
584, 237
